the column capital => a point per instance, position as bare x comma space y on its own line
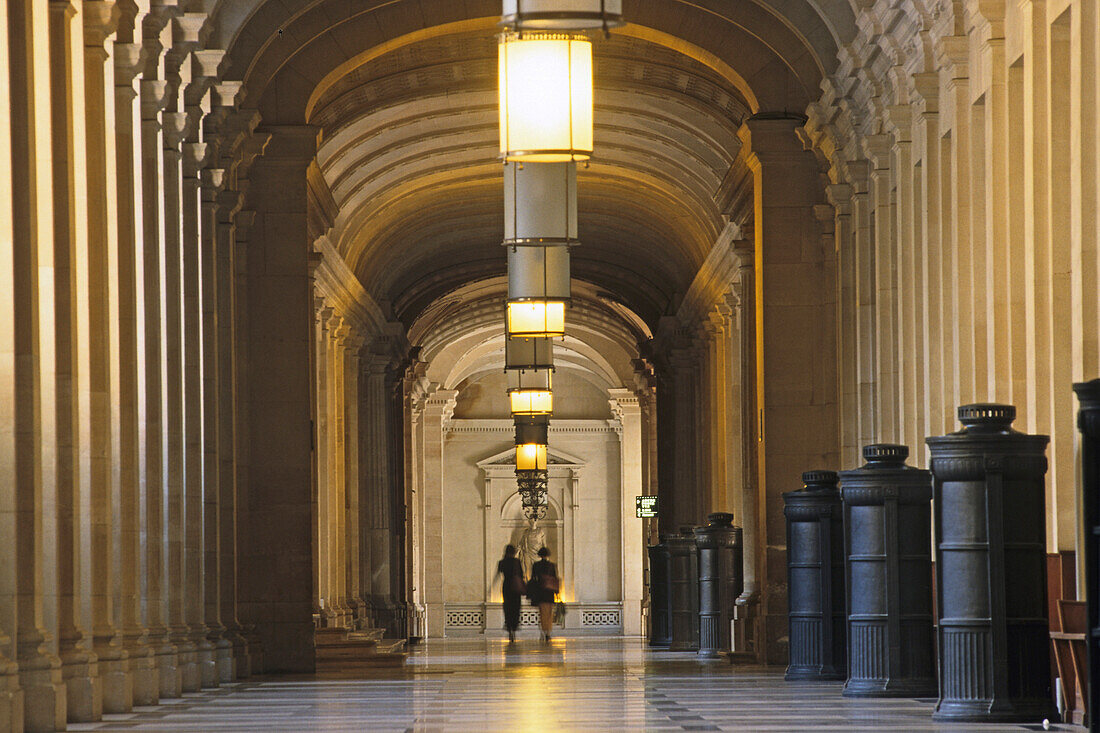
926, 88
100, 21
291, 144
624, 403
440, 404
175, 128
878, 149
154, 98
129, 61
771, 137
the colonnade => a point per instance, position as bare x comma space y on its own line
965, 193
120, 362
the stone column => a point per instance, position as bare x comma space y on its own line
413, 439
353, 487
11, 696
794, 345
840, 198
182, 414
74, 423
151, 407
750, 510
438, 409
624, 406
246, 657
704, 418
34, 406
100, 21
338, 517
219, 533
375, 504
321, 558
688, 506
926, 141
276, 576
878, 149
910, 341
128, 61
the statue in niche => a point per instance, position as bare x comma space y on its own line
533, 540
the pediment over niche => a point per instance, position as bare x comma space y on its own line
507, 459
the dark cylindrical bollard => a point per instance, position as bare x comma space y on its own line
721, 580
683, 571
1088, 422
660, 631
815, 579
888, 567
991, 579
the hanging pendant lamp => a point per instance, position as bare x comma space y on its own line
545, 88
562, 15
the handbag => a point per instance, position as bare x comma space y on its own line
551, 583
518, 585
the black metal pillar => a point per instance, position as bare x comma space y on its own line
683, 571
1088, 422
888, 566
660, 632
815, 579
721, 580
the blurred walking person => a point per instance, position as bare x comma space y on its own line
545, 585
513, 587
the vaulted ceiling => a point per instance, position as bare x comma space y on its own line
404, 95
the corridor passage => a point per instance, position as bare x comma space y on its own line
577, 684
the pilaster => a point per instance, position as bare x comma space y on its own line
100, 22
34, 365
11, 696
74, 401
438, 408
626, 409
796, 407
128, 59
276, 565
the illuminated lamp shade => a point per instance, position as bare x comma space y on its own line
540, 203
561, 15
525, 318
531, 440
529, 391
545, 88
528, 353
538, 273
531, 457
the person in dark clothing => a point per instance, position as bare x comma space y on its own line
513, 587
544, 576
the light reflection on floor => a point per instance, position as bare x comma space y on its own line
577, 684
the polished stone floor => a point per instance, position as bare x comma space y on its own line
577, 684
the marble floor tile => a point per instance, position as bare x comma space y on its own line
577, 684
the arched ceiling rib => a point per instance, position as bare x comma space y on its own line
410, 155
404, 93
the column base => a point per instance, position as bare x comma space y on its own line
166, 659
986, 711
435, 620
118, 683
187, 665
254, 650
44, 705
242, 663
208, 665
632, 618
143, 671
224, 664
11, 698
83, 686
